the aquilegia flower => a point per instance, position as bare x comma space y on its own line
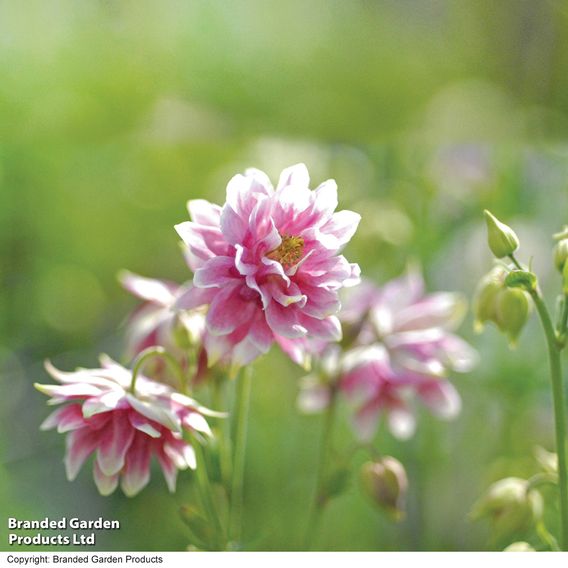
156, 323
268, 264
415, 328
401, 348
123, 430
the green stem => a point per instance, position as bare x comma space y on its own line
516, 262
559, 409
223, 434
563, 322
321, 498
244, 383
148, 353
206, 493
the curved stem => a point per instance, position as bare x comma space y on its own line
244, 383
320, 498
559, 409
150, 352
547, 538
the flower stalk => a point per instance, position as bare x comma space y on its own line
320, 496
555, 364
244, 383
149, 353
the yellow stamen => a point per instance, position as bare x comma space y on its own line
289, 252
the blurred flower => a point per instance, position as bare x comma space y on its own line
267, 263
123, 429
385, 483
512, 507
156, 323
369, 380
400, 347
416, 328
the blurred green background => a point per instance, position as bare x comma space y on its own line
113, 114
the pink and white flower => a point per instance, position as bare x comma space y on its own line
156, 323
403, 349
417, 329
124, 430
268, 264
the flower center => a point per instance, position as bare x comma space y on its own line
289, 252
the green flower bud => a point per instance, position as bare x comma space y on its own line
513, 307
511, 506
200, 529
385, 482
561, 254
485, 302
565, 279
501, 238
547, 460
520, 546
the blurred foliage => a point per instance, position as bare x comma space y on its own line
113, 114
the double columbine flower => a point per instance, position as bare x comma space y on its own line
123, 429
402, 346
267, 264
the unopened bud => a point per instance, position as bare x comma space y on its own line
513, 310
511, 506
565, 279
200, 529
501, 238
520, 546
385, 482
485, 303
561, 254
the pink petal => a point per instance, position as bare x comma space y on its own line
66, 419
136, 472
80, 445
339, 230
114, 443
294, 175
106, 484
195, 421
215, 273
104, 403
194, 297
159, 292
228, 311
155, 413
441, 398
204, 213
233, 227
144, 425
284, 321
169, 470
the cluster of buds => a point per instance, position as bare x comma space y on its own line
503, 294
508, 308
512, 507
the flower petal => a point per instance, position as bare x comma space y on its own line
114, 443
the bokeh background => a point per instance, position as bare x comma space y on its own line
114, 113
